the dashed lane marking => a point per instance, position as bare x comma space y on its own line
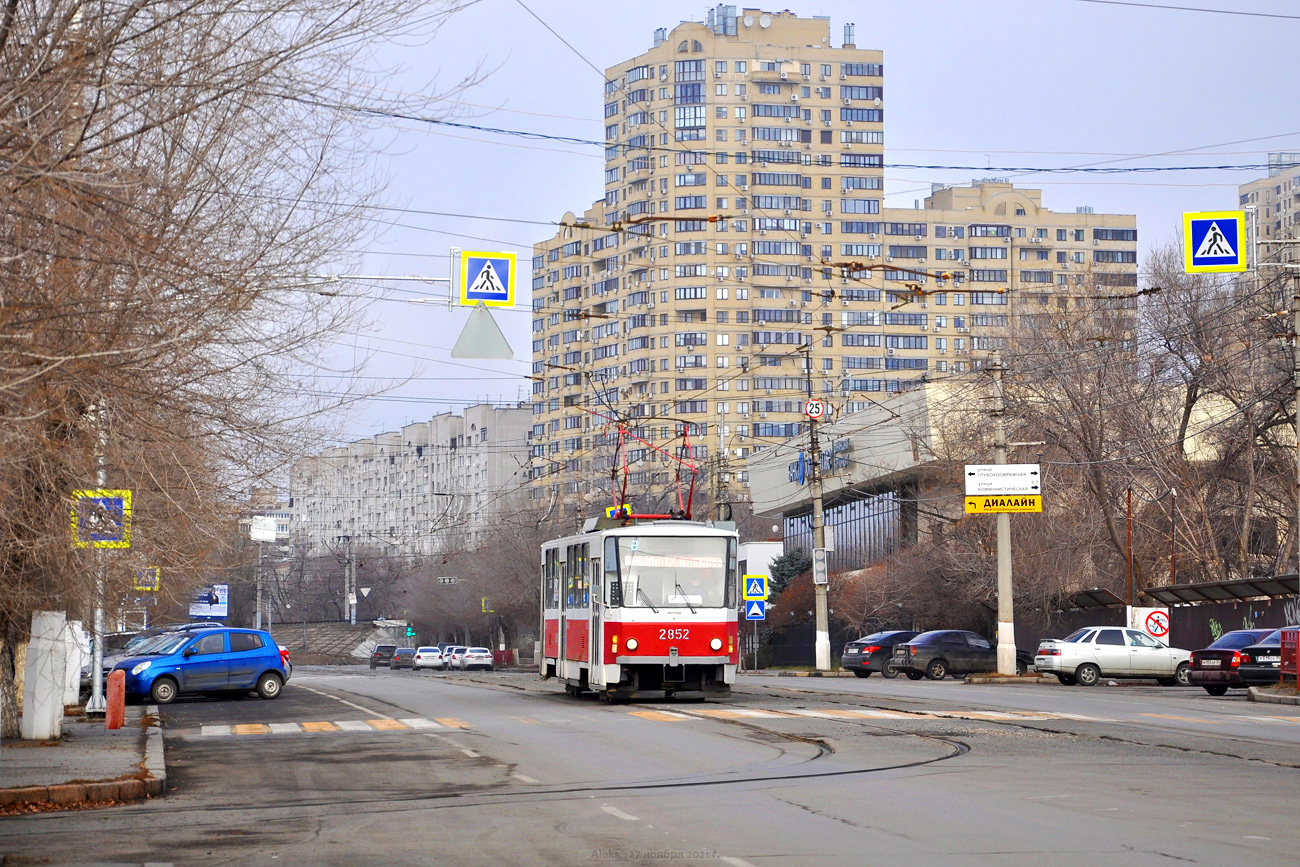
524, 778
1190, 719
619, 814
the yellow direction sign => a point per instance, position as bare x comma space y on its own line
989, 505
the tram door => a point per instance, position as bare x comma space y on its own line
561, 662
595, 641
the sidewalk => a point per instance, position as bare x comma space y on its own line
89, 765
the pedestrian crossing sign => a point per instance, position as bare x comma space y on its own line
755, 587
756, 609
488, 278
1214, 241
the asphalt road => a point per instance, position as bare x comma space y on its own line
357, 767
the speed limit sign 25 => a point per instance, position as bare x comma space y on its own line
814, 409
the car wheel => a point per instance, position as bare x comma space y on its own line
1217, 690
936, 670
914, 675
268, 685
888, 671
859, 673
1183, 674
163, 691
1087, 674
1021, 668
1066, 679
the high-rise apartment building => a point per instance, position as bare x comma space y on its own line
1276, 202
742, 257
431, 485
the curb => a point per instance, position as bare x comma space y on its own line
800, 673
1254, 694
152, 784
1001, 678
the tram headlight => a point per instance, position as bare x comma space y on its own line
715, 644
631, 644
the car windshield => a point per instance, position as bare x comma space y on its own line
673, 571
170, 643
1234, 641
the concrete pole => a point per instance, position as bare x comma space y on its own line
96, 705
822, 644
257, 618
352, 586
1006, 610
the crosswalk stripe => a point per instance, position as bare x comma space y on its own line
451, 722
214, 730
318, 727
284, 728
420, 724
251, 729
659, 715
1179, 718
387, 725
352, 725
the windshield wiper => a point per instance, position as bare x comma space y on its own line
641, 593
682, 593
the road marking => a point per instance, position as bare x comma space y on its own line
318, 727
284, 728
1181, 718
346, 702
619, 814
735, 862
743, 713
387, 725
528, 721
1253, 837
659, 715
214, 730
467, 751
1048, 797
352, 725
451, 722
420, 724
251, 729
524, 778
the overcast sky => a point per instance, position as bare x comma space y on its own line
987, 84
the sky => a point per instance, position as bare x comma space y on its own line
984, 86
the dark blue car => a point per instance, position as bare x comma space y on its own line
218, 660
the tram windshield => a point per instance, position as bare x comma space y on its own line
672, 571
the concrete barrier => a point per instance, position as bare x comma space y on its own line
115, 711
43, 679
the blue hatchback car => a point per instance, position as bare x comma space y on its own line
207, 661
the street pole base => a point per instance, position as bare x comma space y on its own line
822, 648
96, 707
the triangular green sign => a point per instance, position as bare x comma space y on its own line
481, 337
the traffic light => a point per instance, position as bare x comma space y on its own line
410, 632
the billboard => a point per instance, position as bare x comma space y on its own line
211, 603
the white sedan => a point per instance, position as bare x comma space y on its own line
1087, 655
428, 657
476, 657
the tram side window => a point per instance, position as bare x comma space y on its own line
575, 570
551, 578
733, 572
613, 587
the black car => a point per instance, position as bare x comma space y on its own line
403, 657
941, 652
383, 655
874, 652
1261, 663
1217, 668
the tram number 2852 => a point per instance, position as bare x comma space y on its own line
674, 634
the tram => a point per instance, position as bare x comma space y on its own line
634, 608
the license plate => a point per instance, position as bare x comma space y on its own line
1268, 659
850, 650
1210, 663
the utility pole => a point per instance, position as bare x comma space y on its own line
1295, 379
352, 586
96, 704
1006, 610
822, 645
257, 619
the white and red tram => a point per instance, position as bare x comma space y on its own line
633, 608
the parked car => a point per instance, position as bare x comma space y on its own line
403, 657
428, 657
453, 655
121, 645
1087, 655
1216, 667
941, 652
288, 663
208, 661
1261, 663
874, 652
476, 657
383, 655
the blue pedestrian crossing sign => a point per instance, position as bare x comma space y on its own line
755, 587
488, 278
756, 609
1214, 241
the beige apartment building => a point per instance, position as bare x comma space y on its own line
742, 259
1276, 202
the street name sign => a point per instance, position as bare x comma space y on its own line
988, 505
1214, 241
1003, 479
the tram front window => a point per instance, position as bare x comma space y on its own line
672, 572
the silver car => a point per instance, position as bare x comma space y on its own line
476, 657
1087, 655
